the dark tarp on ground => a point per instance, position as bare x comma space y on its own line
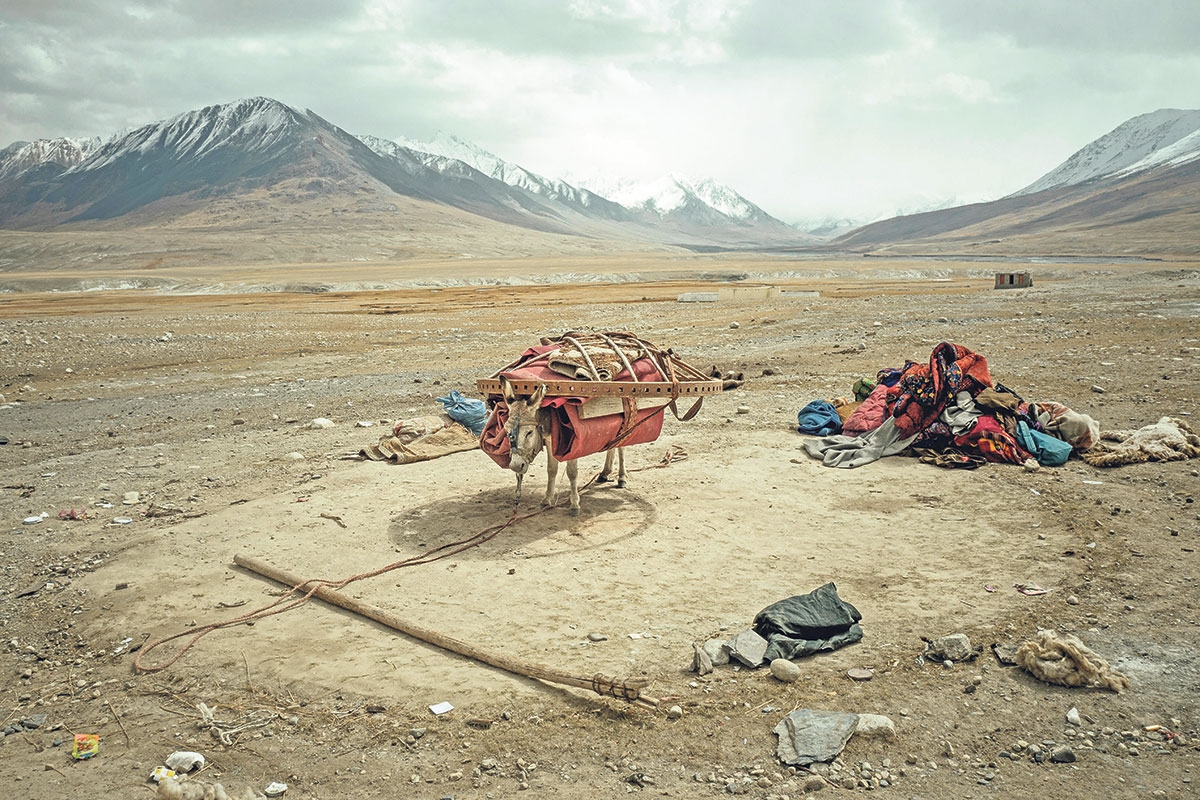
808, 623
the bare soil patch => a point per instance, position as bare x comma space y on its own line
199, 402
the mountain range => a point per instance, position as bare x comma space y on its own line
176, 170
1134, 191
257, 164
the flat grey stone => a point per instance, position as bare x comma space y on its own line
807, 736
749, 648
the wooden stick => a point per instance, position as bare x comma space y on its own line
118, 718
629, 689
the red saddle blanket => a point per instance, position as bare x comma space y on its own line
574, 432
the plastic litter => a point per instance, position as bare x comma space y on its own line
86, 745
159, 774
275, 789
185, 761
32, 520
466, 411
121, 520
441, 708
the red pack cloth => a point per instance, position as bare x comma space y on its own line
571, 436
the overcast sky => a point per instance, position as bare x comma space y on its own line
806, 107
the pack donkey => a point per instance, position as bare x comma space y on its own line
528, 430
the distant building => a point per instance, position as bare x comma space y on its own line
1013, 280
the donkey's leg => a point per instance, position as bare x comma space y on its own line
603, 477
621, 468
573, 477
551, 477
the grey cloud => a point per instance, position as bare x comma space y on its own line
1065, 25
806, 29
536, 27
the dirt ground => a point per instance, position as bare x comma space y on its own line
202, 404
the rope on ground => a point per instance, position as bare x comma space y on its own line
309, 587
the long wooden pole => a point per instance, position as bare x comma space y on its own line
628, 689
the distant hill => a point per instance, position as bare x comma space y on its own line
1133, 191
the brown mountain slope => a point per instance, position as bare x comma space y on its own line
1153, 213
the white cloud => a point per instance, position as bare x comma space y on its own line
805, 106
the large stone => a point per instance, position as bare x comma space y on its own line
717, 651
955, 647
749, 648
807, 736
785, 670
875, 726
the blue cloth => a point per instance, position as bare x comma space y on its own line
466, 411
819, 418
1050, 451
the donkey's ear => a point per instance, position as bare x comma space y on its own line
506, 388
539, 394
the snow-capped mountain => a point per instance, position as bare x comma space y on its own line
444, 149
63, 153
1166, 136
1133, 191
671, 199
285, 158
693, 198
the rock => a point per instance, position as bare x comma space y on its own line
875, 726
34, 721
1031, 465
597, 637
1062, 755
749, 648
743, 409
674, 712
131, 498
860, 674
701, 663
814, 783
295, 455
1072, 600
321, 422
806, 736
734, 325
955, 647
1097, 389
717, 651
239, 421
1073, 717
785, 670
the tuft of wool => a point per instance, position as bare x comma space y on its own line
1169, 439
1062, 659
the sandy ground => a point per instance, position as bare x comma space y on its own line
202, 403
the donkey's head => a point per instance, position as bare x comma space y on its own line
525, 428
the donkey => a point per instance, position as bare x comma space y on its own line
528, 429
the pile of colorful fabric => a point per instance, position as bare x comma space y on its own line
948, 412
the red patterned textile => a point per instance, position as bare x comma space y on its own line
990, 440
924, 389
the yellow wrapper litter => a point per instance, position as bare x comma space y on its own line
86, 745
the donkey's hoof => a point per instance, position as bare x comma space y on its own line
602, 478
620, 484
574, 512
